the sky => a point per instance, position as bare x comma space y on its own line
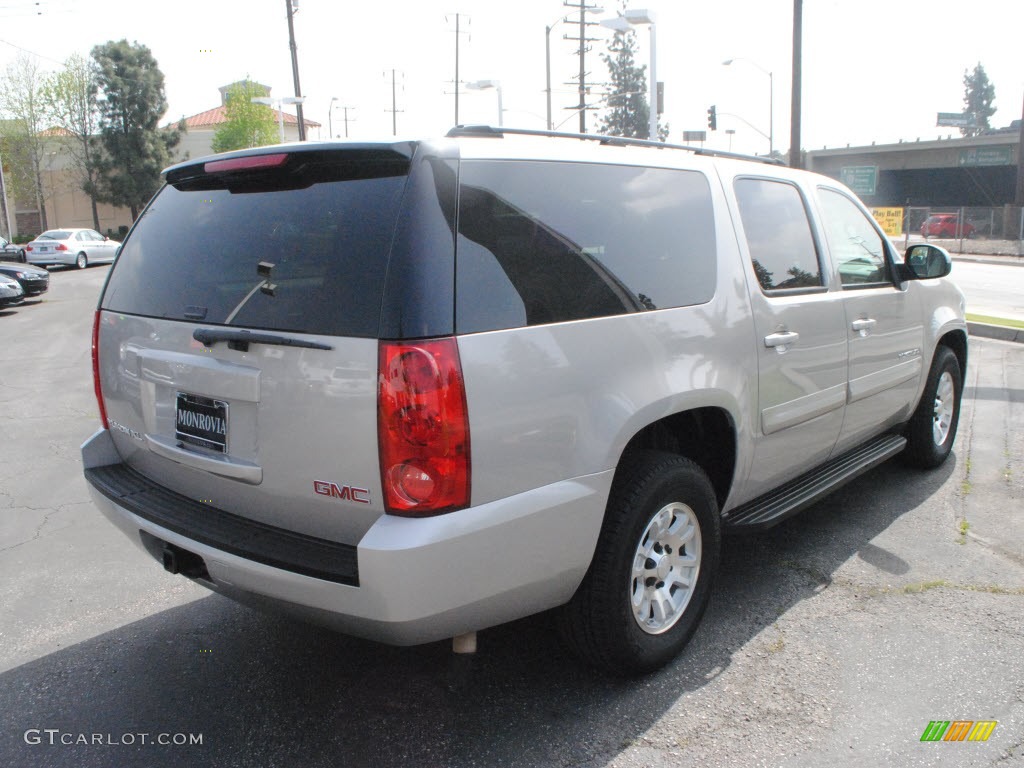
873, 70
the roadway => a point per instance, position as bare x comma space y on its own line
833, 639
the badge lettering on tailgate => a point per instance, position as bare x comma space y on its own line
342, 492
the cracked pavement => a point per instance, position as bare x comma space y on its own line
833, 639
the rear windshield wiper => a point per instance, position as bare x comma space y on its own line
240, 340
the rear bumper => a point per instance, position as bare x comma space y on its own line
52, 261
415, 580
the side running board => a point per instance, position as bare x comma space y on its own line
798, 494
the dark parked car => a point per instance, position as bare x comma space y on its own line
11, 291
946, 225
11, 251
34, 280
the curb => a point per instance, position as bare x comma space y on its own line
1000, 332
1003, 261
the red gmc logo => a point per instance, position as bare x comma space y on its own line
343, 492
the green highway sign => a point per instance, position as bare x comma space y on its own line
861, 179
955, 119
986, 156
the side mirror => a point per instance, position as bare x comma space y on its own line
926, 261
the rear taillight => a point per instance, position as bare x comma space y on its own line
423, 428
60, 247
28, 247
96, 369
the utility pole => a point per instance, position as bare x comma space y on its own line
458, 32
584, 46
394, 107
347, 118
795, 158
291, 6
1020, 162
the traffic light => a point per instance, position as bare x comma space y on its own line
712, 118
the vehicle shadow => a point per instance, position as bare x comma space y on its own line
264, 690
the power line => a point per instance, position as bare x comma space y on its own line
33, 53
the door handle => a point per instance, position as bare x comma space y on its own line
781, 340
863, 325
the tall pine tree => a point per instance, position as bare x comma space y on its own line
628, 113
979, 94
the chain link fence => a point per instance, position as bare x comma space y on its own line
986, 231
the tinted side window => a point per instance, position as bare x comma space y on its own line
778, 234
547, 242
854, 242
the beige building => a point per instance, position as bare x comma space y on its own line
198, 141
68, 206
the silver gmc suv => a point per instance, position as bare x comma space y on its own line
417, 389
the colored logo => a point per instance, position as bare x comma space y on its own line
959, 730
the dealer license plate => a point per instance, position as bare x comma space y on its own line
201, 421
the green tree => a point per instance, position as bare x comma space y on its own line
248, 124
69, 100
134, 148
628, 112
979, 94
24, 143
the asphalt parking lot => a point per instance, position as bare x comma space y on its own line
834, 639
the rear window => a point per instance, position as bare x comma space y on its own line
546, 242
302, 247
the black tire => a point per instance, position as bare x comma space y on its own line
932, 428
599, 623
82, 261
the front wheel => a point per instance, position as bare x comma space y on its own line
932, 428
651, 576
82, 261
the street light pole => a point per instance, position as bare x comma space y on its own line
295, 68
330, 118
795, 159
7, 208
482, 85
653, 132
771, 98
547, 65
297, 101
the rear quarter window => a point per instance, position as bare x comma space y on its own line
546, 242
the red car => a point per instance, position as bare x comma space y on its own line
945, 225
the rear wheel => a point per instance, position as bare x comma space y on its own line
932, 428
82, 261
651, 576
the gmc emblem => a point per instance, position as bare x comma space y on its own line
343, 492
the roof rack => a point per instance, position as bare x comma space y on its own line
616, 141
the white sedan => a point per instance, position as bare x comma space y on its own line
78, 247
